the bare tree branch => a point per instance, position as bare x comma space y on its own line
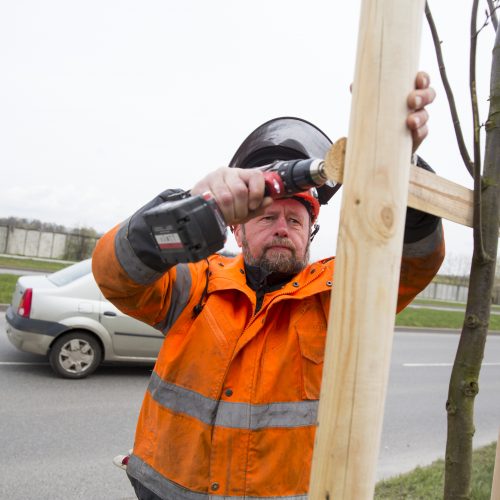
449, 93
493, 14
485, 22
489, 15
477, 226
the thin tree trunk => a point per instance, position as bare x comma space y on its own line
465, 375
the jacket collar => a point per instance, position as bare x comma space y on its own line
230, 273
259, 279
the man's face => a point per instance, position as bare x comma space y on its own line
277, 240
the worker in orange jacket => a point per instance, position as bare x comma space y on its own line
231, 407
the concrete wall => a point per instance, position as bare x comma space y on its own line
43, 244
454, 293
441, 291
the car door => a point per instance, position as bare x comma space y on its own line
130, 337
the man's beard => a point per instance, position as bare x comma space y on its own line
274, 261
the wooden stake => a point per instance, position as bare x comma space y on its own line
495, 487
369, 247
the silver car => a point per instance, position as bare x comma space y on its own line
64, 316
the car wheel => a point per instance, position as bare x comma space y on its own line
75, 355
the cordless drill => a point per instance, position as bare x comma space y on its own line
192, 228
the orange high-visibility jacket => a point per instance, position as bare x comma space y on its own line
231, 407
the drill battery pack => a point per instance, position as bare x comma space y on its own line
187, 230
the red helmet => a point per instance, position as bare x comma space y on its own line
311, 200
287, 138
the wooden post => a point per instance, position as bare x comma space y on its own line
495, 487
362, 312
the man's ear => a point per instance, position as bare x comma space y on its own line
238, 234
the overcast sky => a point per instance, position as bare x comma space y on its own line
105, 103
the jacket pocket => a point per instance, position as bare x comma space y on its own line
312, 349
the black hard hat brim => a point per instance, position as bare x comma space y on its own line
285, 138
281, 136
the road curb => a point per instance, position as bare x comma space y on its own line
421, 329
3, 307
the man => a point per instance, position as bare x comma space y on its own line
230, 410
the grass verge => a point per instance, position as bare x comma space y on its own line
435, 318
427, 483
7, 285
36, 265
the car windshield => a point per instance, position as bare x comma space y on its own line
71, 273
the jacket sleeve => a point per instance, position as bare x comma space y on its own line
423, 250
130, 273
420, 263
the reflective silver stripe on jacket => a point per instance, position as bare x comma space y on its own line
234, 415
133, 266
179, 299
168, 490
425, 246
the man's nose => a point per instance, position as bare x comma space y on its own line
281, 227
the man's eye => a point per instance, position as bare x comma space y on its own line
266, 218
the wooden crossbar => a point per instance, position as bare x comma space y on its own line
428, 192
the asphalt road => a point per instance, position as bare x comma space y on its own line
414, 430
58, 437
